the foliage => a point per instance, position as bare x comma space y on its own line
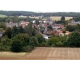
28, 48
56, 41
50, 27
37, 22
8, 32
16, 46
74, 39
63, 18
40, 39
5, 41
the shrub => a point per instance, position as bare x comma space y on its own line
16, 46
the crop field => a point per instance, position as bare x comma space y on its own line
49, 53
59, 17
54, 18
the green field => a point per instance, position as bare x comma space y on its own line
2, 15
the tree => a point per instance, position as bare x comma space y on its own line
21, 30
8, 32
37, 22
5, 40
2, 25
50, 27
16, 46
40, 38
23, 38
74, 39
70, 28
15, 31
52, 41
62, 18
28, 29
56, 41
33, 41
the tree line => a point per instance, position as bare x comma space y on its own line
29, 13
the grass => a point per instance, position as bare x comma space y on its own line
12, 55
2, 15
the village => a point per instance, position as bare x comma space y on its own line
47, 28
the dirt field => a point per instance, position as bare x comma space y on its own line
49, 53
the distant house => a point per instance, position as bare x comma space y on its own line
1, 33
48, 21
23, 23
67, 33
46, 36
58, 33
74, 23
58, 26
11, 24
22, 16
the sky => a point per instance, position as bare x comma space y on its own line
41, 5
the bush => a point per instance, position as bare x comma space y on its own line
28, 48
4, 48
74, 39
16, 46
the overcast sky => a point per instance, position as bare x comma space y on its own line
41, 5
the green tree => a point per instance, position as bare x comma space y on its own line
33, 41
8, 32
56, 41
5, 41
50, 27
74, 39
15, 31
21, 29
70, 28
16, 46
40, 38
28, 29
23, 38
62, 18
37, 22
2, 25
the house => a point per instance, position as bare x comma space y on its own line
67, 33
11, 24
58, 33
21, 16
48, 21
1, 33
74, 22
46, 36
58, 26
23, 23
